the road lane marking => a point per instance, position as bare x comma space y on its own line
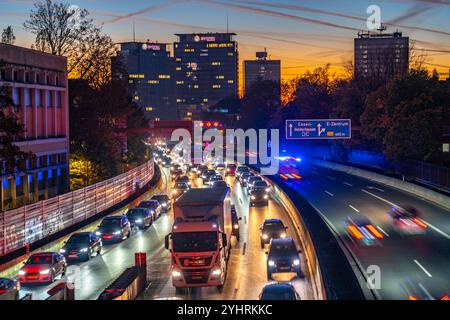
385, 233
330, 177
374, 188
353, 208
393, 204
329, 193
244, 247
426, 291
348, 184
423, 268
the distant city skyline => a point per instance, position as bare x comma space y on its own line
304, 35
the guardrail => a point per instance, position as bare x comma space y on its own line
26, 225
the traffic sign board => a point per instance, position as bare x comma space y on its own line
319, 129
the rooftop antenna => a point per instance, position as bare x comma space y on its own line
227, 23
134, 32
381, 28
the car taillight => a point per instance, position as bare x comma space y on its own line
374, 231
2, 291
420, 223
412, 298
355, 232
446, 297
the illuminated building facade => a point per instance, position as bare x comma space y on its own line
206, 71
148, 68
261, 69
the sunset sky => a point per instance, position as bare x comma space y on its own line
303, 34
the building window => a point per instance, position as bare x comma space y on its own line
149, 109
216, 63
180, 82
136, 76
27, 93
16, 97
216, 86
153, 81
48, 98
38, 98
164, 76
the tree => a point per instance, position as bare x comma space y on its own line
8, 36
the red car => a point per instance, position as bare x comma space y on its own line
43, 268
230, 170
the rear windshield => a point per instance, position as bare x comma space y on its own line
273, 226
260, 184
41, 259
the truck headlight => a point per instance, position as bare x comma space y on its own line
138, 220
236, 226
216, 272
84, 250
266, 196
253, 197
296, 262
283, 235
176, 274
265, 236
271, 263
46, 271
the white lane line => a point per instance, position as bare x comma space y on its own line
329, 193
348, 184
353, 208
385, 233
330, 177
426, 291
374, 188
423, 268
442, 233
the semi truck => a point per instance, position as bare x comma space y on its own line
200, 243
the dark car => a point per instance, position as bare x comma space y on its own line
260, 185
279, 291
215, 178
9, 289
235, 222
175, 167
251, 181
176, 174
283, 256
140, 217
200, 169
164, 201
207, 174
259, 195
243, 178
272, 229
219, 184
184, 179
240, 170
362, 232
114, 228
42, 268
154, 207
82, 245
179, 188
230, 169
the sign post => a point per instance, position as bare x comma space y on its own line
315, 129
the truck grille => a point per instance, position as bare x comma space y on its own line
197, 276
195, 262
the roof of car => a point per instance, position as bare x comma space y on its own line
274, 220
278, 285
282, 240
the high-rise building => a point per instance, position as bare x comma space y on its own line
149, 69
206, 71
381, 56
261, 69
36, 82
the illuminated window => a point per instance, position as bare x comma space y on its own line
216, 86
220, 77
130, 81
136, 76
149, 109
189, 114
205, 100
136, 98
230, 81
153, 81
180, 82
164, 76
196, 86
178, 68
231, 54
216, 63
178, 59
189, 50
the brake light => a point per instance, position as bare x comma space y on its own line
2, 291
374, 231
446, 297
355, 232
420, 223
412, 298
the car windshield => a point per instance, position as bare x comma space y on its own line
260, 184
183, 179
278, 294
78, 238
243, 169
40, 259
181, 185
110, 223
148, 204
273, 226
136, 212
231, 166
220, 184
160, 198
194, 241
284, 248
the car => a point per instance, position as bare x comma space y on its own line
176, 174
42, 268
9, 289
164, 201
153, 205
81, 246
230, 169
419, 288
219, 184
179, 188
184, 179
407, 220
243, 178
214, 178
283, 256
166, 161
114, 228
235, 222
252, 180
362, 232
279, 291
272, 229
175, 167
140, 217
259, 195
207, 174
240, 170
219, 166
260, 185
200, 169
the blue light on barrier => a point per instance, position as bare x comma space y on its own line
30, 178
58, 172
5, 183
18, 181
40, 176
50, 174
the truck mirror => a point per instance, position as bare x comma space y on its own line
224, 239
166, 241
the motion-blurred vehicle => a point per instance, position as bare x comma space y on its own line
154, 207
176, 174
207, 174
243, 178
230, 169
272, 229
184, 179
42, 268
407, 220
82, 246
425, 289
252, 180
240, 170
235, 222
279, 291
164, 201
179, 188
9, 289
140, 218
175, 167
361, 231
114, 229
219, 184
260, 185
283, 256
259, 195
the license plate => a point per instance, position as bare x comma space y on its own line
73, 256
284, 268
32, 277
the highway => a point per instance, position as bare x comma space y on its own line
247, 266
421, 259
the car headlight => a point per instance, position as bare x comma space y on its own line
175, 191
21, 272
253, 197
271, 263
236, 226
283, 235
176, 274
216, 272
62, 250
296, 262
84, 250
98, 233
266, 196
164, 204
46, 271
116, 232
138, 220
265, 236
267, 189
152, 211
